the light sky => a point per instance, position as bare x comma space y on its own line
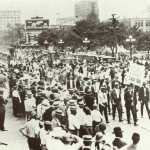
49, 8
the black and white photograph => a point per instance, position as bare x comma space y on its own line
74, 75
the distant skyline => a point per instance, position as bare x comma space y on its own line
49, 9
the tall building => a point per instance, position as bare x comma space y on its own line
83, 8
9, 18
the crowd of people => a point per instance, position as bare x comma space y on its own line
68, 106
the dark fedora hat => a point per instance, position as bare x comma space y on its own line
117, 130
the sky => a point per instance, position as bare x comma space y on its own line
49, 8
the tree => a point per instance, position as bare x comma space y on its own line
51, 35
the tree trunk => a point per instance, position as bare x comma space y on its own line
112, 49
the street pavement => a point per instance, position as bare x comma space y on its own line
16, 141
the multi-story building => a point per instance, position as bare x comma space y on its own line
83, 8
142, 23
69, 21
9, 18
34, 27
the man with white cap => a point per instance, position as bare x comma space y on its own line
44, 132
74, 124
30, 104
57, 120
68, 138
41, 108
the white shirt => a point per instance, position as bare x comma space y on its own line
133, 147
96, 116
80, 116
29, 128
43, 134
73, 122
102, 97
29, 105
15, 93
71, 86
88, 120
117, 92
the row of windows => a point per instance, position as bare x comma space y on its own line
139, 24
9, 11
147, 23
9, 17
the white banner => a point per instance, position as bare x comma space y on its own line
136, 74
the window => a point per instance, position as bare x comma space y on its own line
141, 24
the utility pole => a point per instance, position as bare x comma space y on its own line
114, 23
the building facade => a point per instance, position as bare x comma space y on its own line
70, 21
34, 27
142, 23
83, 8
9, 18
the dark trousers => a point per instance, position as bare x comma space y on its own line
89, 131
133, 111
32, 143
119, 108
145, 102
82, 131
108, 104
94, 127
103, 109
16, 105
2, 119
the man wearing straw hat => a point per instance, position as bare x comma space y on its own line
74, 124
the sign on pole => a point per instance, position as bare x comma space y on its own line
136, 74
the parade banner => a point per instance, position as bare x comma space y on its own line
136, 74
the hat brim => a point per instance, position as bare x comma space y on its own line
117, 132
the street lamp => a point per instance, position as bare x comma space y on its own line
61, 42
86, 41
130, 40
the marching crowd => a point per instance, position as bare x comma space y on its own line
67, 106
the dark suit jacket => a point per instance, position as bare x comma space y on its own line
114, 96
78, 84
47, 114
68, 84
90, 87
119, 143
82, 88
2, 105
89, 100
130, 99
141, 94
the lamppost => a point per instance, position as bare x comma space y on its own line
86, 41
61, 42
46, 44
115, 27
130, 40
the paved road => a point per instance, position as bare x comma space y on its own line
16, 141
